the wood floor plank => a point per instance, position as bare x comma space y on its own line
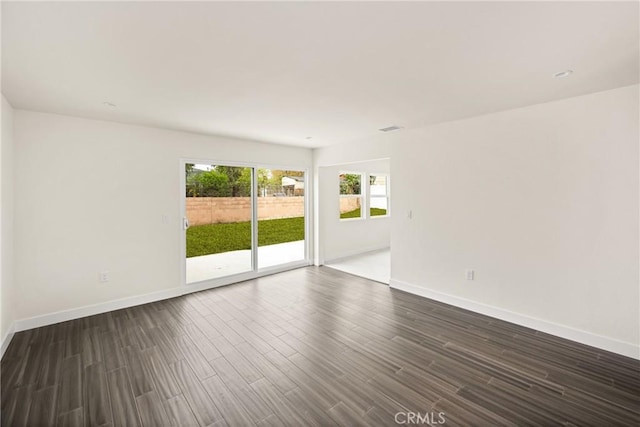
271, 421
402, 394
224, 329
51, 365
71, 385
312, 347
123, 404
345, 416
318, 392
276, 401
249, 336
160, 374
96, 396
268, 370
203, 407
194, 358
72, 338
74, 418
272, 339
208, 350
19, 344
318, 367
179, 412
112, 350
11, 374
16, 412
167, 346
241, 365
151, 410
236, 383
231, 408
141, 379
43, 407
91, 351
305, 404
458, 411
502, 403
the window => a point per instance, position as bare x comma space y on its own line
351, 201
378, 195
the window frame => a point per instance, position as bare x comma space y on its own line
386, 196
361, 196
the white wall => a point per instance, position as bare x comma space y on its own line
369, 149
542, 202
7, 301
91, 196
340, 238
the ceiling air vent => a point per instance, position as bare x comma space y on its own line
390, 128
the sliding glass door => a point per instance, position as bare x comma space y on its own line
241, 219
281, 222
218, 221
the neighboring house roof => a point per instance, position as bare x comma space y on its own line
296, 181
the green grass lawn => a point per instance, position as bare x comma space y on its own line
217, 238
357, 214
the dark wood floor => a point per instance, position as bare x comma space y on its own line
312, 346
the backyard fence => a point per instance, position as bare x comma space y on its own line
348, 204
216, 210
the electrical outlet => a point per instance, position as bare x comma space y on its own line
469, 274
103, 276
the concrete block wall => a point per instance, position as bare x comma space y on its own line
216, 210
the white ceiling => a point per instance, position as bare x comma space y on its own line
281, 72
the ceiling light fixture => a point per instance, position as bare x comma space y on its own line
390, 128
561, 74
109, 104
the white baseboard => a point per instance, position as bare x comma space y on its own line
567, 332
93, 309
6, 340
90, 310
350, 254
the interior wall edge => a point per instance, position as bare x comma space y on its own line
562, 331
6, 339
360, 251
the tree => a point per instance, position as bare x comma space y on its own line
242, 186
264, 180
214, 184
194, 187
234, 174
350, 183
233, 181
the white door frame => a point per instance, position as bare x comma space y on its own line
255, 271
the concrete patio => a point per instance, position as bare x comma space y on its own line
224, 264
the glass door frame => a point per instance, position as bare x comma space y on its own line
255, 271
